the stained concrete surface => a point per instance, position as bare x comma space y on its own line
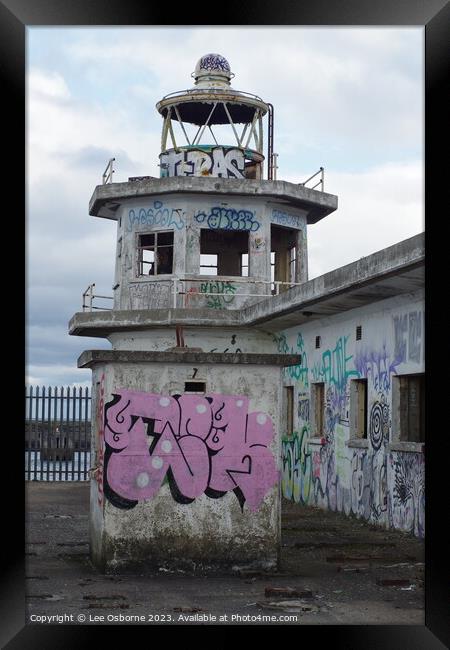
334, 570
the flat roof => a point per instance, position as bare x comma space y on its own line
107, 198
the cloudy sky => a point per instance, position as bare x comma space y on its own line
348, 99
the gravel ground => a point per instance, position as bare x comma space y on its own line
334, 570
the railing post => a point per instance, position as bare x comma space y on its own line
175, 289
275, 166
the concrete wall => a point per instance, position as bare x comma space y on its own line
207, 339
186, 216
378, 478
204, 484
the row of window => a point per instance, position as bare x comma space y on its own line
222, 252
407, 417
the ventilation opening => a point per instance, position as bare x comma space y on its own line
195, 387
359, 332
318, 341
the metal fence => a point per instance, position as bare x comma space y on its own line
57, 433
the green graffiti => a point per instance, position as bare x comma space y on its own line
225, 293
333, 367
297, 467
300, 371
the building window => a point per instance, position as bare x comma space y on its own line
318, 407
318, 341
223, 251
358, 409
292, 263
289, 392
408, 399
194, 387
208, 264
155, 253
244, 265
283, 258
358, 332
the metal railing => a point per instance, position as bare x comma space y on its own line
321, 182
178, 288
109, 171
89, 296
275, 286
57, 433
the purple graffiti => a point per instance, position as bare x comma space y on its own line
202, 444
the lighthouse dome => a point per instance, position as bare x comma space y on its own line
212, 69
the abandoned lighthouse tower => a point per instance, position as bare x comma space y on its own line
189, 406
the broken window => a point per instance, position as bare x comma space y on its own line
283, 257
358, 408
228, 249
289, 410
409, 408
155, 253
318, 407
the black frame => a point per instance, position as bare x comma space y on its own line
15, 15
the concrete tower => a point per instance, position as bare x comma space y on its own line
187, 409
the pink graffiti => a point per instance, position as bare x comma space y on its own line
99, 470
201, 443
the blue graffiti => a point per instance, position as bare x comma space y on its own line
299, 372
228, 219
286, 219
377, 366
158, 215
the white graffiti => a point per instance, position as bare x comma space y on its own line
220, 162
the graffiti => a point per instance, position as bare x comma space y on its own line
285, 219
400, 329
227, 349
296, 467
378, 487
361, 481
258, 245
415, 336
299, 372
340, 436
228, 219
158, 215
213, 62
407, 508
379, 423
225, 293
333, 369
221, 162
150, 295
303, 409
201, 444
99, 471
360, 485
377, 366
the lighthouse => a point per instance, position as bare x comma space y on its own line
188, 403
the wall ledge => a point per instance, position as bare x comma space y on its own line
316, 441
359, 443
414, 447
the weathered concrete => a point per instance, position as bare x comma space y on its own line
90, 357
103, 322
379, 475
107, 198
185, 474
396, 270
337, 565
